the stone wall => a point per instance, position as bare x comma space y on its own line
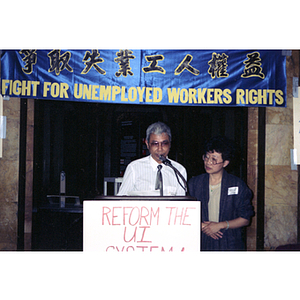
281, 183
252, 172
9, 176
29, 175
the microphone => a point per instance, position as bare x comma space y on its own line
165, 161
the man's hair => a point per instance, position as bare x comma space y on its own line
222, 145
158, 128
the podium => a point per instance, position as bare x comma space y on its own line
150, 224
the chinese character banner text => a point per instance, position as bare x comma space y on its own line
159, 77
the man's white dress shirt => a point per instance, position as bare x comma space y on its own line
140, 177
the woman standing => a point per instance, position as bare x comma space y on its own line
225, 199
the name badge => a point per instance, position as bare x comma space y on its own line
233, 190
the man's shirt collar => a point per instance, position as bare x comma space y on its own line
153, 162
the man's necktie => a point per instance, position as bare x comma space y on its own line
159, 181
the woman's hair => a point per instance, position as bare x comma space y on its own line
222, 145
158, 128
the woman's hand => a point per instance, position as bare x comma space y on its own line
212, 229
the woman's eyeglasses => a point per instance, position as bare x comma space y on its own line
207, 158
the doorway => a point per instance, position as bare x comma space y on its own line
90, 141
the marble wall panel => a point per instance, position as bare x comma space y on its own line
252, 173
30, 112
252, 118
252, 177
8, 225
280, 224
29, 175
279, 141
281, 183
11, 108
252, 147
30, 144
281, 186
280, 115
11, 142
28, 197
9, 176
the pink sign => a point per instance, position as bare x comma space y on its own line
141, 226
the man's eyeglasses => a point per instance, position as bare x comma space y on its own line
206, 158
163, 144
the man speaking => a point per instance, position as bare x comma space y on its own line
149, 176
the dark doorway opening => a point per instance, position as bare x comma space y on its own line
87, 142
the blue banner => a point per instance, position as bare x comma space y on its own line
153, 77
